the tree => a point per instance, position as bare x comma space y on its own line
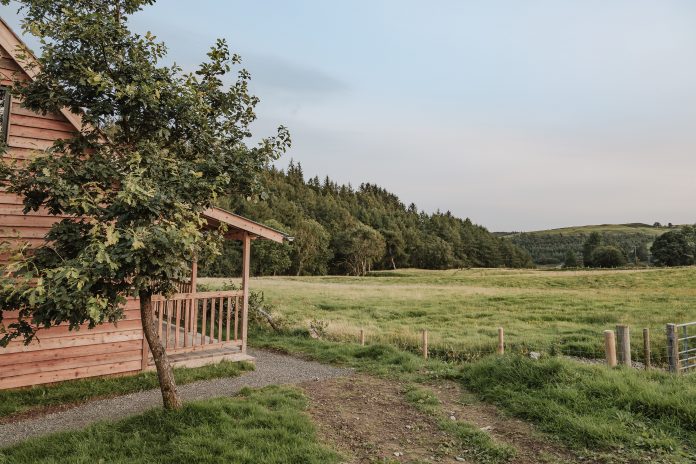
608, 256
395, 247
310, 247
157, 147
571, 260
433, 253
360, 246
588, 248
675, 247
270, 258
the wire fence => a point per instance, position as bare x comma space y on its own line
637, 347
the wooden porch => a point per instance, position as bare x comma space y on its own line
201, 328
198, 328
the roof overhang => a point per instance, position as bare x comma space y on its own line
237, 226
11, 42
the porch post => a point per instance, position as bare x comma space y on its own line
246, 258
194, 275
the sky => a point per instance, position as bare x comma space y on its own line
521, 115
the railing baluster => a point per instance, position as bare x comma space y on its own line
194, 321
186, 307
236, 318
166, 325
205, 313
229, 314
212, 320
177, 305
221, 305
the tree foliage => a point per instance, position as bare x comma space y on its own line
608, 256
335, 224
675, 248
551, 247
571, 260
156, 148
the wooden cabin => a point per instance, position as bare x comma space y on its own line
197, 328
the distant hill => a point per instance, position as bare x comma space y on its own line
550, 246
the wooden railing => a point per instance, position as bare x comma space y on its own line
199, 321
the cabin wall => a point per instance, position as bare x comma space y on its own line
58, 354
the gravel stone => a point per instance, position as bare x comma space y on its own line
271, 369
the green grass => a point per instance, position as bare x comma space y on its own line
76, 391
376, 359
471, 441
266, 426
647, 416
550, 311
613, 415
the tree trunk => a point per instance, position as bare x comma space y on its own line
165, 373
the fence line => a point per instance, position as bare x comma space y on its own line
681, 347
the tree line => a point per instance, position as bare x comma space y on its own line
676, 247
553, 248
339, 229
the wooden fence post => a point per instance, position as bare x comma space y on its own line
624, 341
425, 344
646, 348
362, 337
673, 348
610, 348
501, 341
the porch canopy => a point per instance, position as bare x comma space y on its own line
238, 226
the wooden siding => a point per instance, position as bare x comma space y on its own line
62, 354
59, 353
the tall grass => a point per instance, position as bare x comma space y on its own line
650, 415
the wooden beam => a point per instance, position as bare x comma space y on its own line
243, 224
246, 261
194, 275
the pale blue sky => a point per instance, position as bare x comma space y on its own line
519, 114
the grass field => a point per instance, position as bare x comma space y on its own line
549, 311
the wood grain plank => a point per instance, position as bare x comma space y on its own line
69, 374
7, 359
31, 367
75, 340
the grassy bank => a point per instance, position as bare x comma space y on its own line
14, 402
264, 426
557, 311
647, 416
610, 415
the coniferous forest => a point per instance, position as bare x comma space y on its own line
339, 229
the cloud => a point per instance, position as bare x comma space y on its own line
280, 74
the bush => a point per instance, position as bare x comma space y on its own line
608, 256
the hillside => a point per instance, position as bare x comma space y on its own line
339, 229
550, 246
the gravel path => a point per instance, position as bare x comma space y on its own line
271, 368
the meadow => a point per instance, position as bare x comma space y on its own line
548, 311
